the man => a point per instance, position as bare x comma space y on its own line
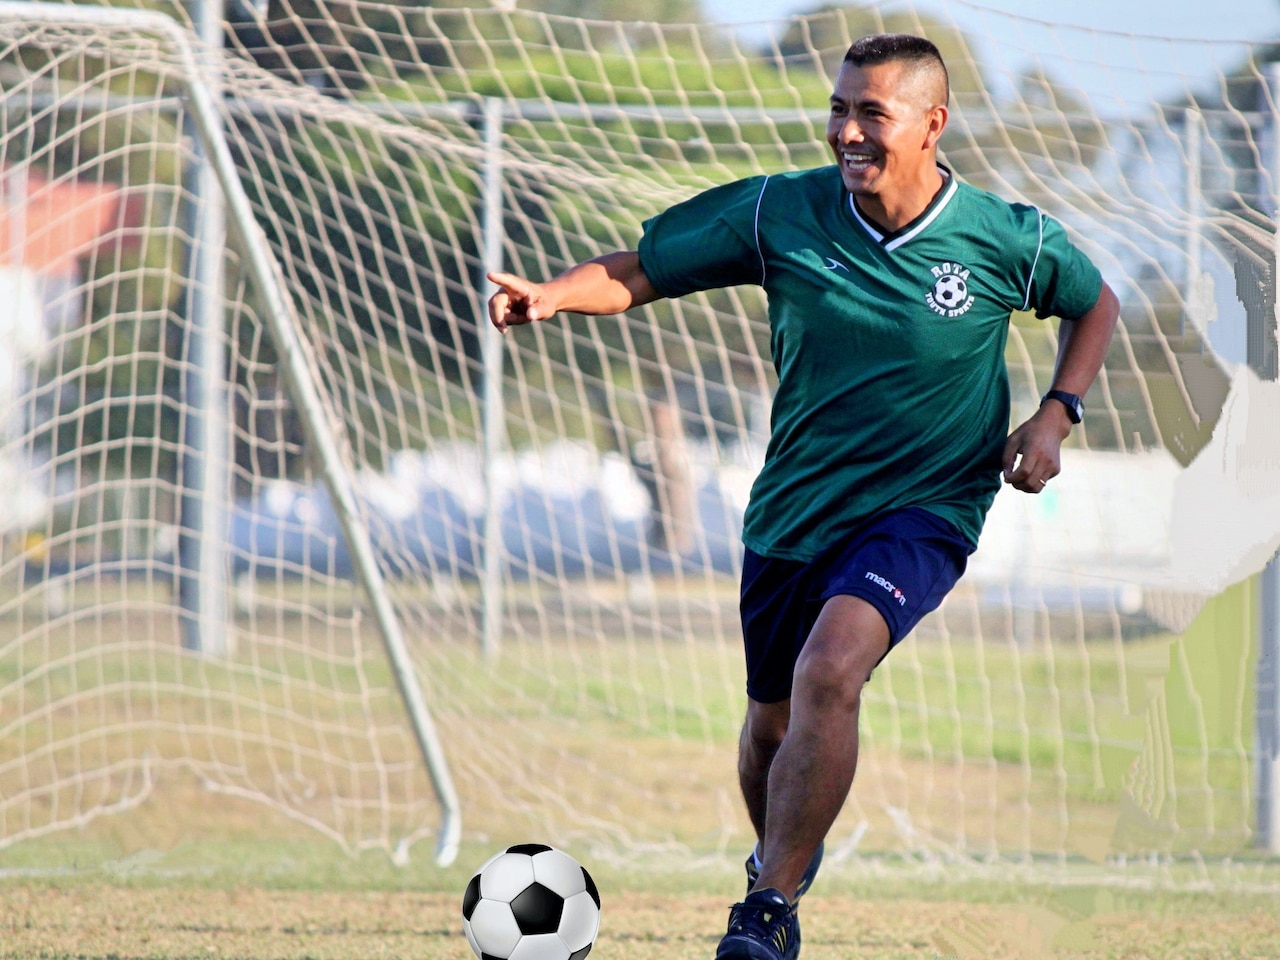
890, 287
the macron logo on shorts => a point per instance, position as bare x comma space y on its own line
881, 581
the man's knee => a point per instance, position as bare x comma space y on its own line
766, 725
847, 642
829, 678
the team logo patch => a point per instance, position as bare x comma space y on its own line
950, 296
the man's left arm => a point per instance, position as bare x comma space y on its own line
1032, 455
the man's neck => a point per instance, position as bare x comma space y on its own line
905, 205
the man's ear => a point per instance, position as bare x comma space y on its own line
937, 122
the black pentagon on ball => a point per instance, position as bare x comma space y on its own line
580, 954
528, 849
471, 897
591, 889
537, 910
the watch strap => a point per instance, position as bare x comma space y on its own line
1074, 405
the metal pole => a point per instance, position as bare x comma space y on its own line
14, 189
1268, 708
321, 437
1263, 361
17, 189
202, 564
1193, 123
491, 347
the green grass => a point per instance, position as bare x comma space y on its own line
1136, 741
618, 733
301, 898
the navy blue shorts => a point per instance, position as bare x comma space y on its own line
903, 563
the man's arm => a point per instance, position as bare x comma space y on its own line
613, 283
1032, 455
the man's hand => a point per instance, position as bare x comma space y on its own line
517, 301
1033, 452
607, 284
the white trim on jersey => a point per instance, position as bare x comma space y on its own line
764, 268
876, 235
948, 192
1036, 262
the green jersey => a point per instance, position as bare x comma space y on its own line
889, 348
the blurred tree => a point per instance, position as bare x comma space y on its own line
335, 44
1044, 135
658, 11
819, 39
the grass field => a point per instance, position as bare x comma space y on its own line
302, 899
996, 750
1061, 752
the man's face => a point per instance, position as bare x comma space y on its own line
882, 128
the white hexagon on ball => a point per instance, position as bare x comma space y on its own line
580, 921
493, 923
558, 871
505, 876
545, 946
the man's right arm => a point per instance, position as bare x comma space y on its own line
612, 283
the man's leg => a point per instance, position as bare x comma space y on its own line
762, 734
813, 767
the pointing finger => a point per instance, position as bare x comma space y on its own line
509, 282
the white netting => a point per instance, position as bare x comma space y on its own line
1087, 690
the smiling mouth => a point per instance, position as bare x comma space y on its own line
856, 161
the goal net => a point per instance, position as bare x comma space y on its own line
553, 516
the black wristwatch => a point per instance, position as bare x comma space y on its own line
1074, 405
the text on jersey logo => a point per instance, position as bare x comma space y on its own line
950, 295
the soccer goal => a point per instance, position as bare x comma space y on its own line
289, 525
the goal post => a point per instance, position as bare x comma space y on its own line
202, 584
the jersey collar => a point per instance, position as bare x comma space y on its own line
891, 241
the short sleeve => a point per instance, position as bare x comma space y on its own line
708, 241
1064, 282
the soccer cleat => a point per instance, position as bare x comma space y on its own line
762, 927
806, 881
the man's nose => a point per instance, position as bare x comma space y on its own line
850, 130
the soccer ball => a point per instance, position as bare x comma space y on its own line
531, 902
950, 290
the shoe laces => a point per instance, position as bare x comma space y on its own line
765, 918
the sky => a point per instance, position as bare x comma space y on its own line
1150, 68
1184, 19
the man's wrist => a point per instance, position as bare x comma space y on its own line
1071, 405
1057, 416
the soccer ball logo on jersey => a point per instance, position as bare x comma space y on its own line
950, 295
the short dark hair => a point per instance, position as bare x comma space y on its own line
898, 47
